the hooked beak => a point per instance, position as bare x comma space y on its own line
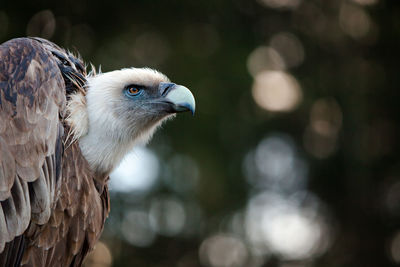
179, 97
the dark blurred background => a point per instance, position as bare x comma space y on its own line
292, 157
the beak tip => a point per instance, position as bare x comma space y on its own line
191, 108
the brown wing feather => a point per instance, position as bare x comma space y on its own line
46, 218
77, 219
32, 99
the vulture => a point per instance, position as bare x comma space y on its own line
62, 131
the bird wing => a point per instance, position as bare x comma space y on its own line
32, 101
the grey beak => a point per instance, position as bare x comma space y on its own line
179, 96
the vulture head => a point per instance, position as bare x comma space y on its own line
120, 109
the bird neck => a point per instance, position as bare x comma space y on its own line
102, 146
103, 151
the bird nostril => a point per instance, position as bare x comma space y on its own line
165, 87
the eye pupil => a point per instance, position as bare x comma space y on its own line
133, 90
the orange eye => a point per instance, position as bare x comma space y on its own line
133, 90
